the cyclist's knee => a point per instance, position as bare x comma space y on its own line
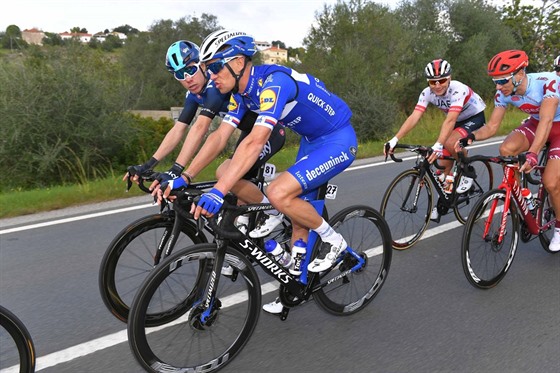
514, 144
551, 180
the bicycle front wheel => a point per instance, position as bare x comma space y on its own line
406, 206
16, 345
482, 183
197, 341
367, 233
485, 256
130, 257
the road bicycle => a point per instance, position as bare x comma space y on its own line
142, 244
210, 316
408, 200
500, 218
16, 345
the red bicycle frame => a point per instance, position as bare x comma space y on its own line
512, 188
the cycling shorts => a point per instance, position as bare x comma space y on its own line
273, 145
323, 158
528, 129
471, 124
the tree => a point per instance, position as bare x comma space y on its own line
355, 49
143, 59
476, 38
78, 30
12, 38
279, 44
537, 30
52, 39
126, 29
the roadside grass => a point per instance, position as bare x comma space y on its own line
23, 202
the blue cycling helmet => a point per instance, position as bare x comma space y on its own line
226, 44
180, 54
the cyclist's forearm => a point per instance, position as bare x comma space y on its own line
212, 147
193, 140
409, 124
170, 141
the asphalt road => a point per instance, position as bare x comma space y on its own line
427, 317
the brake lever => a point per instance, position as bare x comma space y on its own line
387, 148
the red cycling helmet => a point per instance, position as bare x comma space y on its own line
507, 62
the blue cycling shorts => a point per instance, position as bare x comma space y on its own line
323, 158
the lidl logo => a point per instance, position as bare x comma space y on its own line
267, 99
232, 106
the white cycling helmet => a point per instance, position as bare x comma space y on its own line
556, 65
226, 43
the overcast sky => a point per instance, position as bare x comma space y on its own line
266, 20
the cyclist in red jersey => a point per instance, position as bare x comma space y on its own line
537, 94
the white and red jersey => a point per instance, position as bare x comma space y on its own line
539, 87
458, 98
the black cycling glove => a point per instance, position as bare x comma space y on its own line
141, 168
173, 173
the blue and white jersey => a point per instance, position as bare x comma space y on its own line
210, 101
539, 87
298, 101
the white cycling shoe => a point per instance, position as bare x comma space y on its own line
434, 215
266, 224
320, 265
555, 242
465, 184
274, 307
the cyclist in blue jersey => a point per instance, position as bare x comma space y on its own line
183, 61
537, 94
280, 96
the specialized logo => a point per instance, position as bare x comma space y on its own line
232, 106
268, 99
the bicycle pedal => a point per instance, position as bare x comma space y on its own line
284, 313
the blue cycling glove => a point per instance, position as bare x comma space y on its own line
212, 201
175, 184
173, 173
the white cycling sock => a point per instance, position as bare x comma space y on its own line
328, 234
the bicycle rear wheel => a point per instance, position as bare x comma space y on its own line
367, 233
546, 214
130, 257
485, 260
16, 345
406, 206
188, 344
484, 181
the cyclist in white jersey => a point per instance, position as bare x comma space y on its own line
464, 111
538, 95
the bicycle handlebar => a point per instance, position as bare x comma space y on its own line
424, 151
500, 159
225, 228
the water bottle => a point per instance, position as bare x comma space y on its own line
280, 255
526, 193
298, 253
449, 183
